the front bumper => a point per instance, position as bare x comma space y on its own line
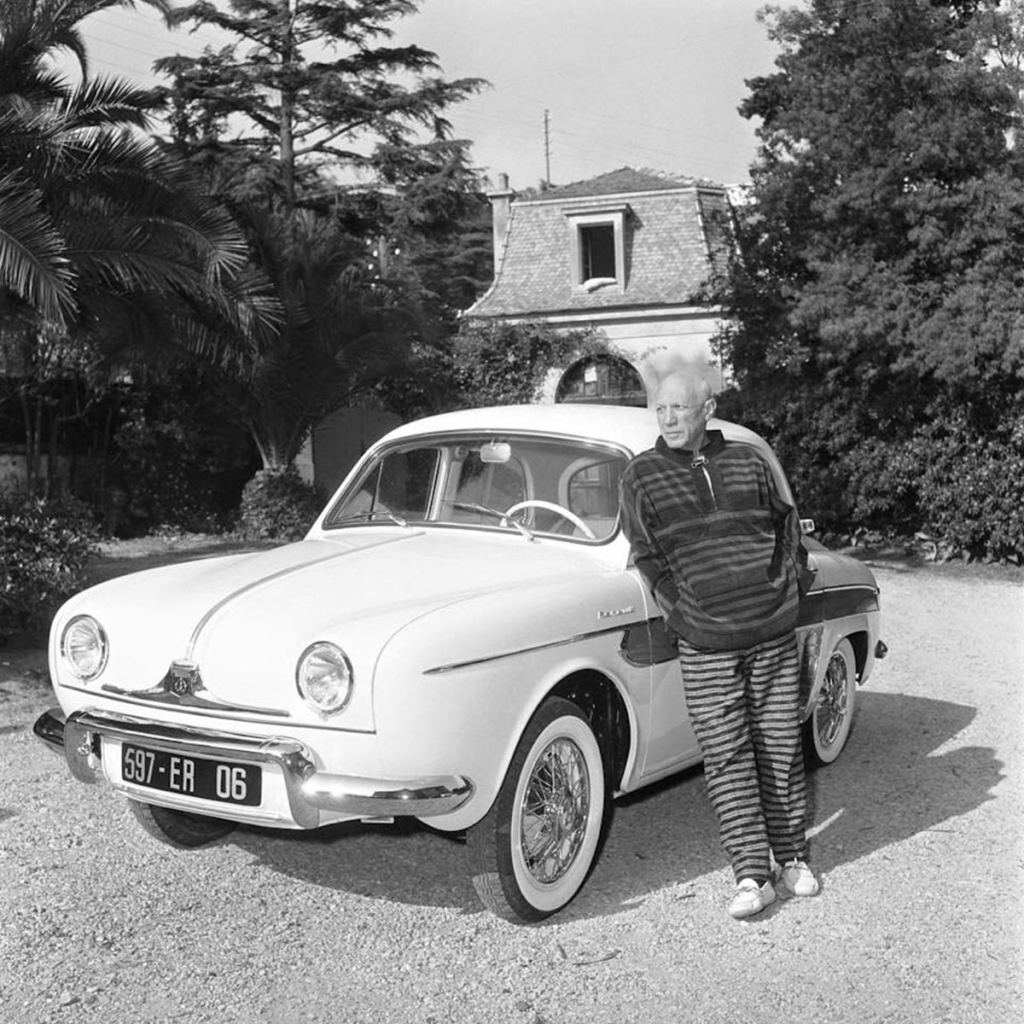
309, 791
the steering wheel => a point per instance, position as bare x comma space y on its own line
551, 507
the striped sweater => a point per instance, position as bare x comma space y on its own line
718, 546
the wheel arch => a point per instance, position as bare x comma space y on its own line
597, 696
859, 643
585, 681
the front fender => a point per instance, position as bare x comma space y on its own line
458, 686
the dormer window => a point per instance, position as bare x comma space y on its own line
597, 247
597, 251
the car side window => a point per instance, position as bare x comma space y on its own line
406, 481
400, 484
592, 493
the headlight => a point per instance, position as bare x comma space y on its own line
324, 677
83, 645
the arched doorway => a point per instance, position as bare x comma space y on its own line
602, 379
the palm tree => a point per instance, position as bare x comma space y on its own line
102, 229
108, 246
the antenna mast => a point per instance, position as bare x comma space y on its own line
547, 148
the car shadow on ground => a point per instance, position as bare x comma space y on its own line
898, 777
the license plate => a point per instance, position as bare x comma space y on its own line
192, 776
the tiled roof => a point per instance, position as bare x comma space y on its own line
625, 179
674, 229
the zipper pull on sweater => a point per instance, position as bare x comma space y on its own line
700, 462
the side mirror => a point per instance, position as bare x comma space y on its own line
807, 526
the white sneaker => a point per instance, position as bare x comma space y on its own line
751, 898
797, 879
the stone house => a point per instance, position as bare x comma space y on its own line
625, 253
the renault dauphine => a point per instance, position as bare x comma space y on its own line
460, 638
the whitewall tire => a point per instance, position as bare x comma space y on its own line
533, 850
828, 727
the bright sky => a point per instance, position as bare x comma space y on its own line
640, 83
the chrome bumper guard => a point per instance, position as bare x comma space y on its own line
309, 791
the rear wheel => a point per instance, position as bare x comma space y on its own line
534, 849
179, 828
828, 728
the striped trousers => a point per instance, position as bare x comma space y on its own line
745, 710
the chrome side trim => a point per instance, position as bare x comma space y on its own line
456, 665
309, 791
837, 602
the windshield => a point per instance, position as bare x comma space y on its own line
502, 482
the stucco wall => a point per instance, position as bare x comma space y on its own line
13, 471
658, 349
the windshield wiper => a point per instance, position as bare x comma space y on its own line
472, 506
372, 513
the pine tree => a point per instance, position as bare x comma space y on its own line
314, 86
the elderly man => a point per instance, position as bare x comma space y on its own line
721, 552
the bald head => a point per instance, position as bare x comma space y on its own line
684, 403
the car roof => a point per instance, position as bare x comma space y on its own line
629, 426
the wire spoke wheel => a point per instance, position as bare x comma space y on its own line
553, 821
833, 699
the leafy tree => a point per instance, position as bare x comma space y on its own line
436, 234
880, 283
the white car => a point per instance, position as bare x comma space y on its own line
460, 638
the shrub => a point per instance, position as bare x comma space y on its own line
179, 461
958, 477
44, 546
971, 486
277, 504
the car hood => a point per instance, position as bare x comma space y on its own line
246, 619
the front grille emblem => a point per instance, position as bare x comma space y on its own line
183, 686
182, 678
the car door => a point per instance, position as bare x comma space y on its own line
671, 742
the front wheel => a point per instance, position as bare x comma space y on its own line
179, 828
828, 728
533, 850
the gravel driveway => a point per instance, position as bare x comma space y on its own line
918, 840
